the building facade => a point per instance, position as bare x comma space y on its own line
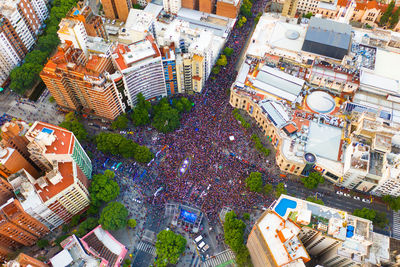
116, 9
228, 8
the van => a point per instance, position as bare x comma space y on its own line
198, 239
206, 247
201, 245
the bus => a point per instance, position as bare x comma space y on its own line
119, 164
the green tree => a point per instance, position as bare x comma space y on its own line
268, 189
222, 61
243, 257
280, 189
166, 120
254, 182
216, 69
127, 148
143, 154
42, 243
24, 77
52, 99
132, 223
169, 247
394, 18
246, 216
187, 104
142, 103
308, 15
120, 123
234, 231
70, 116
259, 14
241, 21
228, 51
103, 188
245, 9
113, 216
77, 128
36, 57
381, 220
315, 200
140, 116
75, 220
312, 180
386, 15
393, 202
365, 213
86, 226
109, 142
177, 104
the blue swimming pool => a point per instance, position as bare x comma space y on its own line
283, 205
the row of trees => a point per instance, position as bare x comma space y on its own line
245, 8
392, 202
259, 146
169, 247
255, 184
378, 218
26, 75
222, 61
239, 118
234, 237
116, 144
316, 200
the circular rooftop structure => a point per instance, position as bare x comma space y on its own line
292, 34
321, 102
309, 158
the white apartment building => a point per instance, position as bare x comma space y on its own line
74, 31
41, 9
138, 24
9, 59
140, 65
172, 6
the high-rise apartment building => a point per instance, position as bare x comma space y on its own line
293, 229
20, 22
140, 65
93, 24
207, 6
13, 135
12, 161
61, 193
138, 25
116, 9
173, 6
23, 260
74, 31
169, 65
80, 83
18, 225
228, 8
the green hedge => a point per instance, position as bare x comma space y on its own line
239, 117
259, 146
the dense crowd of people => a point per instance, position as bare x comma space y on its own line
215, 177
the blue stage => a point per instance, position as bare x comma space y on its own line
188, 216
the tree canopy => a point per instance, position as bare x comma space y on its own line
387, 14
140, 116
241, 21
228, 51
393, 202
378, 218
166, 119
315, 200
254, 182
222, 61
132, 223
268, 188
245, 9
313, 180
234, 237
86, 226
120, 123
116, 144
103, 188
113, 216
72, 124
169, 247
280, 189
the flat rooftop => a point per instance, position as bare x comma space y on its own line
281, 239
384, 62
45, 133
324, 140
139, 20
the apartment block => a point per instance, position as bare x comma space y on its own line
116, 9
294, 231
73, 31
169, 65
138, 25
93, 24
207, 6
228, 8
18, 225
12, 161
23, 260
80, 83
173, 6
140, 65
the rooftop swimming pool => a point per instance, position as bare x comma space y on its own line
283, 205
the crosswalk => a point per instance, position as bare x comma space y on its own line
396, 224
226, 257
146, 247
